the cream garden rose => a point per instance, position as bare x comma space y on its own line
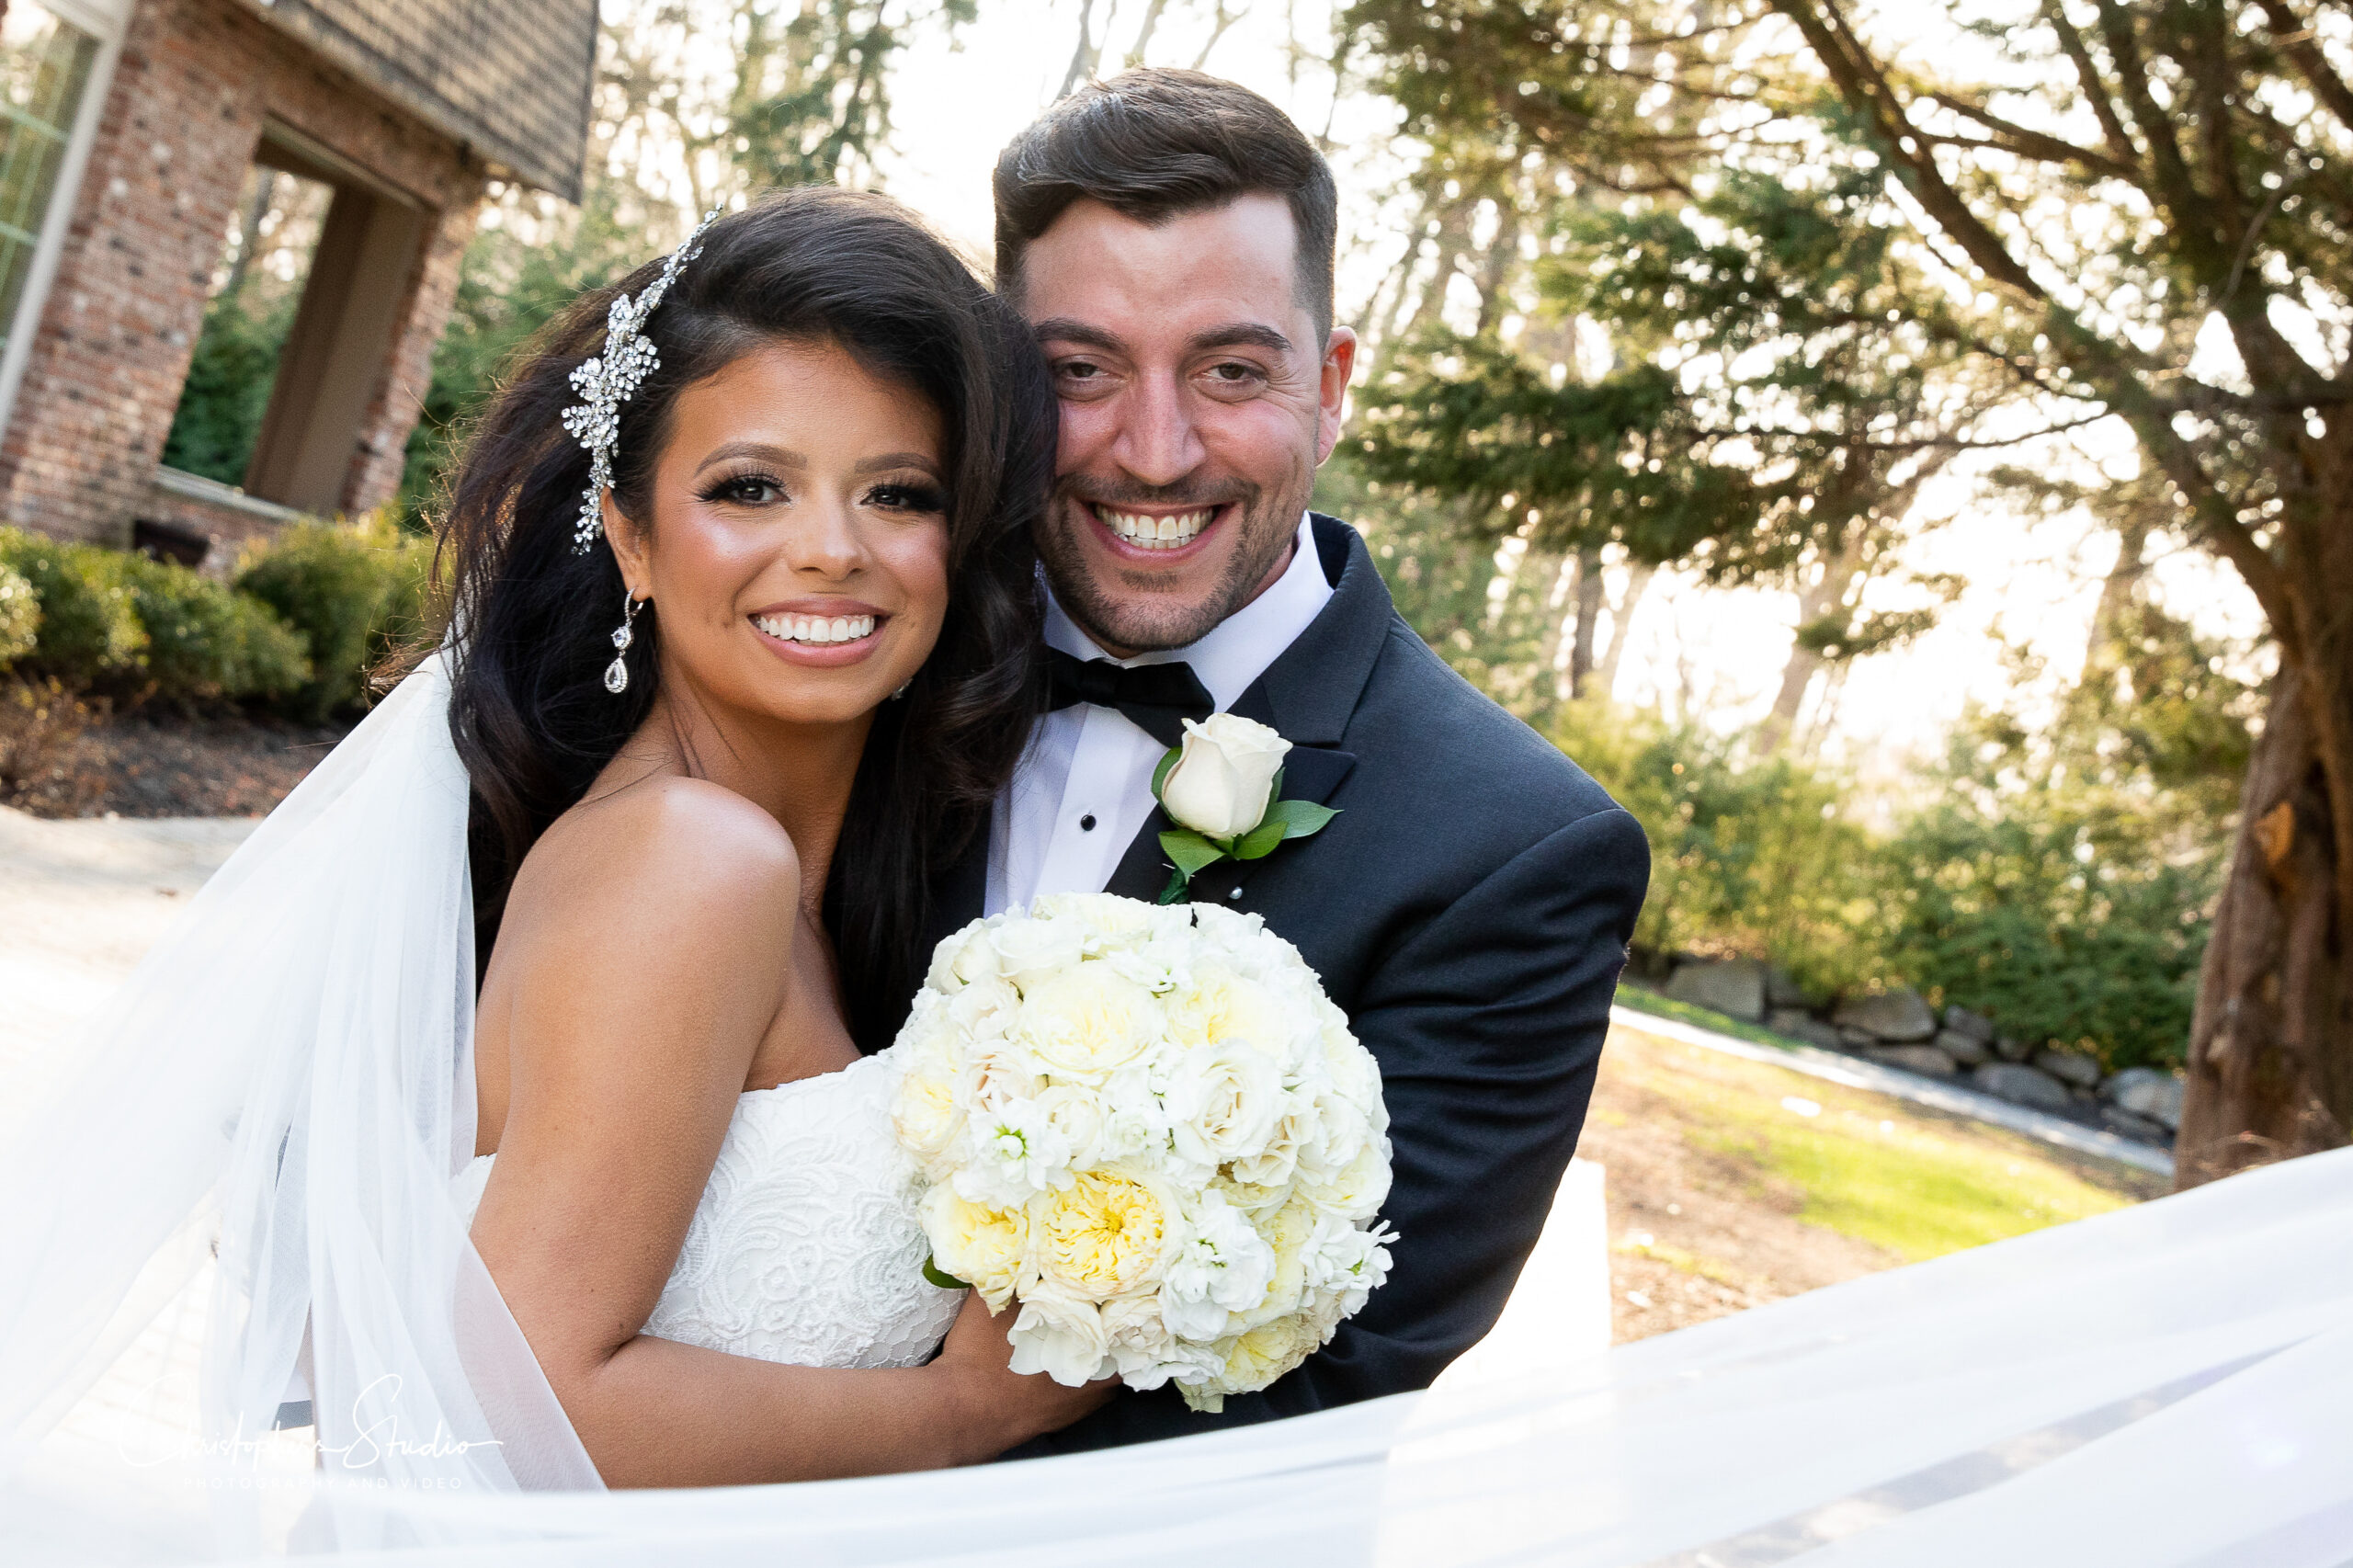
1147, 1129
1224, 776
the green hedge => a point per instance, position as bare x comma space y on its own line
89, 632
19, 616
354, 591
309, 614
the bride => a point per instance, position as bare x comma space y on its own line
744, 615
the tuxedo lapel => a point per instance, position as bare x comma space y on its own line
1306, 696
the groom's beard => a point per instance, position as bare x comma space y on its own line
1130, 610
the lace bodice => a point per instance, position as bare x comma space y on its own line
805, 1248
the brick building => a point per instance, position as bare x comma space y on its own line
128, 130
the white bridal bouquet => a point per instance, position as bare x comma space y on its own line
1149, 1127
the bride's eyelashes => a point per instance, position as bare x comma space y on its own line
750, 488
756, 488
914, 496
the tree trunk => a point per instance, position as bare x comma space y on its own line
2101, 651
1622, 616
2270, 1072
1588, 596
1830, 591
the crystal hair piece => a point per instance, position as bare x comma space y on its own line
610, 379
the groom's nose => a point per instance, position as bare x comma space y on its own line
1157, 441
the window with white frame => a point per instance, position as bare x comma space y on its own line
45, 65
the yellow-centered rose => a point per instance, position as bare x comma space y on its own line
980, 1245
1104, 1235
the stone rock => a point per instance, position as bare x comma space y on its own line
1974, 1026
1735, 987
2140, 1128
1965, 1048
2021, 1085
2010, 1050
2069, 1068
1798, 1024
1782, 989
2145, 1092
1925, 1059
1898, 1017
1852, 1038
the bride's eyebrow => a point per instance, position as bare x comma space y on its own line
890, 461
730, 450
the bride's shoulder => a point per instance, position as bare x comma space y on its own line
696, 851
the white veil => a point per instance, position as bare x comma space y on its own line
262, 1130
289, 1078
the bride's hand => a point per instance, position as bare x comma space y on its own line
1001, 1408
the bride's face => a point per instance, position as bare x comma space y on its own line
798, 552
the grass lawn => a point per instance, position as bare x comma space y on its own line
1733, 1182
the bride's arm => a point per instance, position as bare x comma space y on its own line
642, 964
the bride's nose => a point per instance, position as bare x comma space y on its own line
824, 539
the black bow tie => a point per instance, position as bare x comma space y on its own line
1157, 698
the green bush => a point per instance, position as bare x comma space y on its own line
354, 591
19, 616
205, 641
1754, 858
90, 633
2072, 913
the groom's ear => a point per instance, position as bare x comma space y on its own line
1340, 364
628, 546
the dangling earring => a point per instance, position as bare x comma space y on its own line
902, 689
617, 673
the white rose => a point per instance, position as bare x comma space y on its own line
981, 1245
1030, 952
1076, 1112
1357, 1189
1137, 1340
961, 959
1087, 1022
1223, 1105
1288, 1230
1133, 1120
1060, 1335
926, 1116
1221, 784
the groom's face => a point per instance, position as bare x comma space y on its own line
1197, 399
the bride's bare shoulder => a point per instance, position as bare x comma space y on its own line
676, 858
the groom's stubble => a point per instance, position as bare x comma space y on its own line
1133, 612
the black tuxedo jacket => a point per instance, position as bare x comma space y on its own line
1468, 909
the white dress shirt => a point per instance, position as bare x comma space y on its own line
1082, 790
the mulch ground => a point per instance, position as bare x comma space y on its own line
160, 765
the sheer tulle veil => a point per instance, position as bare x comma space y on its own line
263, 1127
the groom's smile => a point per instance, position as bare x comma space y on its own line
1194, 386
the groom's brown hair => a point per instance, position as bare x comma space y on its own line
1153, 144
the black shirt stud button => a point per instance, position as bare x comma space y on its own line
1086, 823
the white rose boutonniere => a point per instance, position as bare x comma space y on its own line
1222, 788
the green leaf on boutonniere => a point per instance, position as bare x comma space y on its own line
1189, 850
931, 1271
1260, 840
1299, 818
1160, 773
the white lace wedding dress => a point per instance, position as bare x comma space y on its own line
805, 1248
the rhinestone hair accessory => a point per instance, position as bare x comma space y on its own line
612, 378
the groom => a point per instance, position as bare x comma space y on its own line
1170, 237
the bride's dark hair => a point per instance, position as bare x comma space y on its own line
529, 711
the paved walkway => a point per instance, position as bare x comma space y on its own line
80, 904
1918, 1088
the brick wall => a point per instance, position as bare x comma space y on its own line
183, 116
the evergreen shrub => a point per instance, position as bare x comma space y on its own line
356, 592
89, 632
